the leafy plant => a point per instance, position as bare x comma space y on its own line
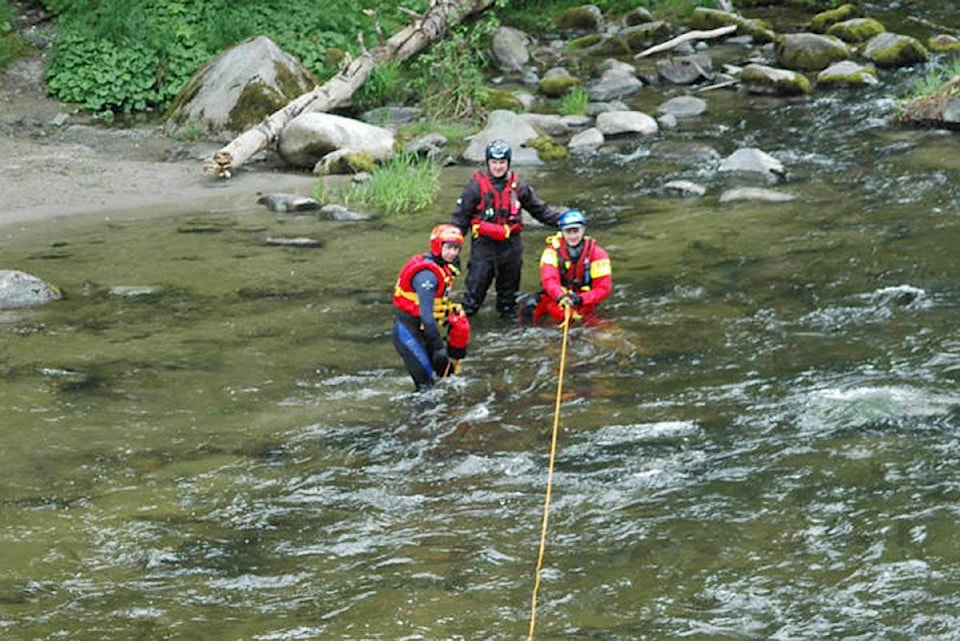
451, 82
574, 102
385, 85
402, 186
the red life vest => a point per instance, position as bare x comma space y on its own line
405, 297
500, 207
574, 276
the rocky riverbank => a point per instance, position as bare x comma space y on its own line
56, 163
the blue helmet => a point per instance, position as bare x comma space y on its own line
499, 149
572, 218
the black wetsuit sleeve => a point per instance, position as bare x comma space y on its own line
466, 205
535, 205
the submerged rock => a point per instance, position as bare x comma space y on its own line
19, 289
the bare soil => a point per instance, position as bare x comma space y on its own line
55, 162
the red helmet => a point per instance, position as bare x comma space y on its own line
444, 234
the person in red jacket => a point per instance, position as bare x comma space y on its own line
490, 208
422, 301
575, 273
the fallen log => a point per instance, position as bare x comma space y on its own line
424, 30
687, 37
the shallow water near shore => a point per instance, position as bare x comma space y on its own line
212, 437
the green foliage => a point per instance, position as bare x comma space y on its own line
455, 131
128, 56
538, 15
575, 102
402, 186
11, 44
386, 85
451, 82
933, 81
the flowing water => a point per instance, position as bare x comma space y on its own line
762, 444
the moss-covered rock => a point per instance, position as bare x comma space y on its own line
848, 72
500, 99
895, 50
809, 51
600, 45
360, 161
704, 18
639, 37
824, 20
558, 86
856, 30
583, 19
933, 109
547, 148
770, 80
943, 43
638, 15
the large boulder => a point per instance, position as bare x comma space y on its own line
894, 50
237, 90
19, 289
311, 136
809, 51
508, 126
511, 48
761, 79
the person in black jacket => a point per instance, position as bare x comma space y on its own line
490, 210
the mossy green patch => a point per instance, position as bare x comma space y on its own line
558, 86
500, 99
256, 102
547, 148
577, 19
856, 30
824, 20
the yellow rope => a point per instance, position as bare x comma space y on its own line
553, 456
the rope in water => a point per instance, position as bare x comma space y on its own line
553, 456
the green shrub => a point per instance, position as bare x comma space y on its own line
402, 186
451, 82
575, 102
386, 85
127, 56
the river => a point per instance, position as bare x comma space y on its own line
762, 444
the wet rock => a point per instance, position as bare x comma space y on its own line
138, 292
756, 194
761, 79
312, 136
809, 51
511, 49
613, 123
300, 241
895, 50
684, 107
848, 72
19, 289
683, 189
340, 213
685, 70
753, 161
856, 30
508, 126
283, 203
588, 140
